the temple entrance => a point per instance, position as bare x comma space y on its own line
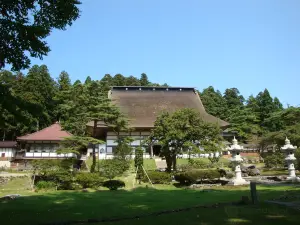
156, 150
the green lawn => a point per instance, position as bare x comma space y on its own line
36, 208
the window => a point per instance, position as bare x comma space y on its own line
3, 155
109, 150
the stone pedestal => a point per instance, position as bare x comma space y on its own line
237, 159
238, 180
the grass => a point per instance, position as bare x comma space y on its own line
57, 206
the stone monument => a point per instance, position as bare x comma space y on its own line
235, 150
288, 149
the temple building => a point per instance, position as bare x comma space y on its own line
42, 144
142, 105
7, 153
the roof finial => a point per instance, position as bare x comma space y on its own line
235, 142
287, 141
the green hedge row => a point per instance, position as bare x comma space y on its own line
195, 176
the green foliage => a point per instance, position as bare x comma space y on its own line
214, 102
194, 176
111, 168
26, 24
274, 160
89, 180
157, 177
198, 164
297, 156
113, 185
139, 162
183, 130
57, 171
45, 185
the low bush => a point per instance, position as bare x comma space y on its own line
275, 160
184, 167
89, 180
157, 177
198, 164
229, 175
195, 176
113, 184
45, 185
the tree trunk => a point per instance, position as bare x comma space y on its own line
4, 135
174, 162
169, 163
94, 149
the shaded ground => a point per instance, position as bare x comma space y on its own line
40, 208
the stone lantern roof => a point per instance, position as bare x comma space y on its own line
235, 146
288, 146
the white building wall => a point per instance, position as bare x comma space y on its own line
7, 152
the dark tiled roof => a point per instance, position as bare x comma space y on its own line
52, 133
8, 144
142, 105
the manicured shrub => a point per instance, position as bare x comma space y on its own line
111, 168
198, 164
275, 160
89, 180
45, 185
229, 175
113, 184
184, 167
157, 177
139, 162
194, 176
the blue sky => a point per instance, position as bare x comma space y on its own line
250, 45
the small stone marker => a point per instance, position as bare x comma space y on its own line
253, 192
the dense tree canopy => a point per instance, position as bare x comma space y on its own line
24, 25
182, 130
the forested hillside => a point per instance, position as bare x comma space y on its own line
33, 101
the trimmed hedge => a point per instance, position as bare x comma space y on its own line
157, 177
89, 180
113, 185
194, 176
45, 185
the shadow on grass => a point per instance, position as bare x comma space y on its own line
69, 207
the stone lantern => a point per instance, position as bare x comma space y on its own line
235, 150
289, 151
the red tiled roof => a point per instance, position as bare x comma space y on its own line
8, 144
52, 133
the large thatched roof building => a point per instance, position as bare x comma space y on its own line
142, 105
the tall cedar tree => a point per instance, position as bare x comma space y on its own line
24, 26
184, 127
87, 103
214, 102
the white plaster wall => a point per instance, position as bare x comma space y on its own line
8, 152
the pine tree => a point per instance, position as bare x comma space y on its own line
144, 80
214, 102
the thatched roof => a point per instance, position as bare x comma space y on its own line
142, 105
